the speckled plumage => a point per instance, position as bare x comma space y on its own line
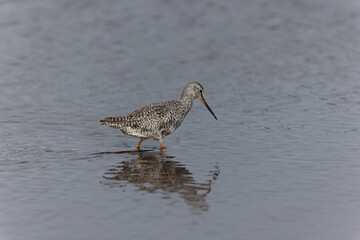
158, 120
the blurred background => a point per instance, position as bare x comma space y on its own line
281, 162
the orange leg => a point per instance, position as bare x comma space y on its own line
161, 146
138, 146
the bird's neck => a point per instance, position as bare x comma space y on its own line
187, 101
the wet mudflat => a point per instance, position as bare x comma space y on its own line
281, 161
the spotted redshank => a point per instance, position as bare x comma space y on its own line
158, 120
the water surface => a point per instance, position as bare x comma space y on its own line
281, 162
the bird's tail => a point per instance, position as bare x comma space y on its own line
111, 121
103, 121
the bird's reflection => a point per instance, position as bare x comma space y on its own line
155, 172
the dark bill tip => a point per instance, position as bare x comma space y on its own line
207, 106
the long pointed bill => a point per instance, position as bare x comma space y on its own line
207, 106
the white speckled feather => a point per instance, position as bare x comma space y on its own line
158, 119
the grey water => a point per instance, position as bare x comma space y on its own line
281, 162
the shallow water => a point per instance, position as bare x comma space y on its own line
281, 162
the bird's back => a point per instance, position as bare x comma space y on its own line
152, 121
